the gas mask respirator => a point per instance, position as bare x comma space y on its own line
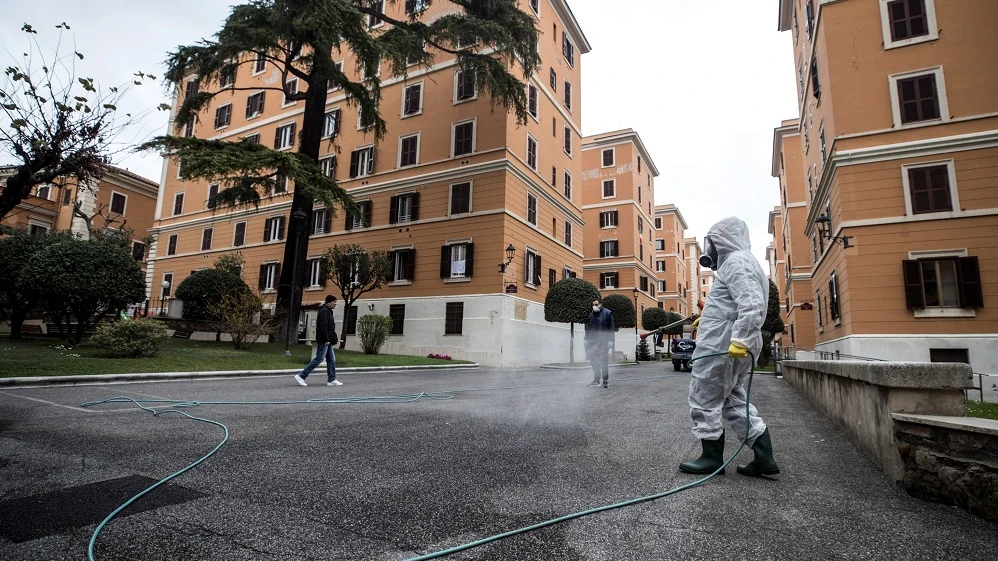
709, 257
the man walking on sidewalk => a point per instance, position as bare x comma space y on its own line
600, 330
325, 338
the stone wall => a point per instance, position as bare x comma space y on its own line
950, 460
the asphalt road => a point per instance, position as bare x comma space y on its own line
392, 481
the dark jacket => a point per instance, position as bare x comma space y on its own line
325, 326
600, 328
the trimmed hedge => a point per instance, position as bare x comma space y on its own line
130, 339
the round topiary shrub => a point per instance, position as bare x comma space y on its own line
570, 301
373, 331
130, 339
202, 289
622, 308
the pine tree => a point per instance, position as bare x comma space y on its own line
301, 37
644, 353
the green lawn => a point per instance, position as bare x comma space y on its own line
982, 410
51, 357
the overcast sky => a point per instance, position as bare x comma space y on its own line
703, 83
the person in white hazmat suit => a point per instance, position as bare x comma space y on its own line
731, 323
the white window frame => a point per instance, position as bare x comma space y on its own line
609, 280
567, 184
369, 168
397, 272
459, 248
270, 284
661, 286
357, 221
256, 62
110, 203
48, 191
418, 148
659, 243
235, 227
892, 82
930, 22
660, 265
571, 142
275, 231
257, 113
954, 196
537, 156
207, 198
422, 91
330, 86
610, 217
226, 125
325, 120
317, 224
568, 233
613, 152
326, 166
531, 197
450, 197
939, 311
175, 245
284, 101
528, 265
535, 7
408, 198
381, 22
173, 209
287, 139
602, 188
474, 137
617, 247
314, 272
211, 238
567, 91
534, 112
457, 81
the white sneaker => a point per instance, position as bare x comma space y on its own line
300, 380
334, 383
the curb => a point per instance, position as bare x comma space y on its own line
161, 376
556, 366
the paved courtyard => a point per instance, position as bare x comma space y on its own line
393, 481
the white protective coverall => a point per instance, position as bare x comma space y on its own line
734, 312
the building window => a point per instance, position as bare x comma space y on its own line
531, 152
641, 225
167, 290
608, 219
460, 198
328, 166
404, 208
280, 183
350, 321
660, 266
178, 204
554, 80
532, 209
568, 140
335, 83
362, 162
532, 268
290, 88
212, 195
918, 98
138, 251
567, 49
206, 239
639, 196
609, 280
117, 203
833, 292
254, 104
331, 123
269, 275
607, 158
568, 185
568, 233
457, 260
821, 141
815, 81
464, 138
567, 95
284, 137
608, 248
67, 196
414, 8
661, 286
809, 18
239, 234
644, 284
554, 176
403, 264
945, 282
929, 189
454, 318
906, 22
171, 245
532, 100
375, 21
465, 85
273, 229
609, 188
552, 277
641, 253
408, 150
361, 219
315, 278
397, 313
223, 116
260, 64
321, 221
412, 100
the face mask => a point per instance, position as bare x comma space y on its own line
595, 308
709, 257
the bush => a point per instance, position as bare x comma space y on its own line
623, 311
203, 289
130, 339
373, 331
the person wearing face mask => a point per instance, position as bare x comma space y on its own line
731, 322
600, 332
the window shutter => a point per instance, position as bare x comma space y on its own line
322, 271
349, 221
336, 125
410, 265
469, 263
277, 275
327, 221
294, 128
391, 267
602, 280
616, 279
277, 138
971, 295
602, 249
602, 221
371, 159
266, 230
415, 206
368, 213
537, 270
249, 106
260, 100
573, 275
393, 210
354, 159
445, 261
913, 292
615, 221
218, 117
263, 277
313, 221
280, 228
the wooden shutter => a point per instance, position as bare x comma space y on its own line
393, 210
266, 230
277, 138
410, 265
349, 221
602, 221
280, 228
914, 293
445, 261
277, 275
368, 207
537, 270
327, 221
263, 278
323, 269
616, 280
602, 249
354, 159
294, 129
615, 221
415, 206
469, 263
218, 115
249, 106
969, 272
602, 280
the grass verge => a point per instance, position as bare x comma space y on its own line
982, 410
51, 357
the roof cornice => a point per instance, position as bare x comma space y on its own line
620, 137
572, 25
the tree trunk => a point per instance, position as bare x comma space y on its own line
571, 331
16, 321
296, 247
16, 189
81, 328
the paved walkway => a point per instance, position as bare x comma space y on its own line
392, 481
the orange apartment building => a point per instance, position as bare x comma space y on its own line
451, 187
693, 253
776, 257
671, 266
898, 133
618, 186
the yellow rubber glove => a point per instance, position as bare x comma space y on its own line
737, 350
696, 322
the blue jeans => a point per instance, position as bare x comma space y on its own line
325, 350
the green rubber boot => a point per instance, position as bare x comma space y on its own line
711, 458
763, 463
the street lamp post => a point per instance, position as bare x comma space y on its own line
635, 325
294, 305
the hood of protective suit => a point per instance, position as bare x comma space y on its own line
729, 235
